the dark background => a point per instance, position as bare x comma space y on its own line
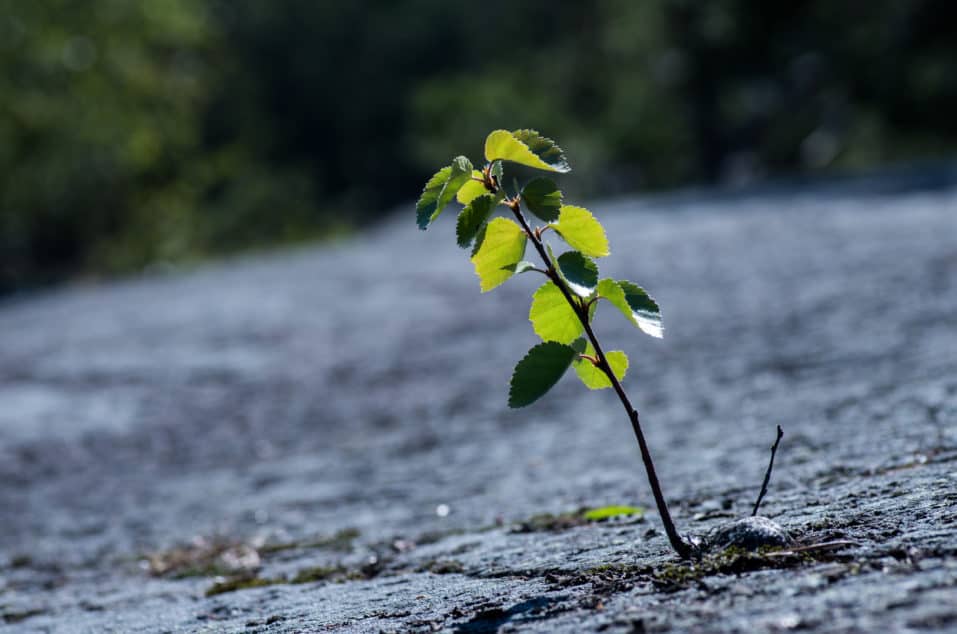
135, 134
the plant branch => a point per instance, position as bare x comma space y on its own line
681, 547
767, 474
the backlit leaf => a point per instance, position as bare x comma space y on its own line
592, 376
579, 272
499, 246
581, 231
542, 198
552, 317
526, 147
535, 374
472, 189
634, 303
497, 170
440, 190
472, 218
608, 512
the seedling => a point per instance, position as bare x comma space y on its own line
564, 306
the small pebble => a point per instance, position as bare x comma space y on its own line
749, 533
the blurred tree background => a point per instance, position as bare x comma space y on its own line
137, 133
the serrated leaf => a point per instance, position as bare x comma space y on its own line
472, 189
553, 319
425, 207
497, 170
592, 376
644, 308
501, 244
579, 272
535, 374
526, 147
440, 190
634, 303
578, 227
542, 198
472, 218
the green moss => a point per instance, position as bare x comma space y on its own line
732, 560
548, 522
210, 570
319, 573
614, 569
442, 567
339, 541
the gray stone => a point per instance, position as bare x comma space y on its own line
749, 533
317, 408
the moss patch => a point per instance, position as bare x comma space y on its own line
442, 567
320, 573
677, 576
340, 541
548, 522
605, 580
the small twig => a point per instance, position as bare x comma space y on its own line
767, 475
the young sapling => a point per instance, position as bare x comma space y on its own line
563, 307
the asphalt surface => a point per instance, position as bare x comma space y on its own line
332, 422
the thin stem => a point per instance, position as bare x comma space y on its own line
767, 474
683, 548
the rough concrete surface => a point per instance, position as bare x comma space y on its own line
329, 428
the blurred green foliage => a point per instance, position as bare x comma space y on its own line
107, 156
141, 132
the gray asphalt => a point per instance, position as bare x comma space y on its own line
262, 405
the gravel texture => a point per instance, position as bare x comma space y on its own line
329, 428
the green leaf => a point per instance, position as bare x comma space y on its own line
472, 189
553, 319
526, 147
497, 170
594, 378
472, 218
634, 303
644, 309
581, 231
500, 245
440, 190
579, 272
541, 368
608, 512
522, 267
542, 198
